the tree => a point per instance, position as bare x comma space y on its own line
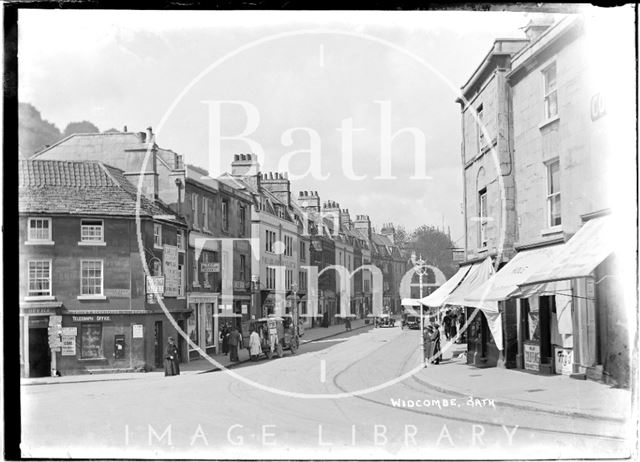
435, 248
34, 133
80, 127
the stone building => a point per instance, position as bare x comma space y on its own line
85, 300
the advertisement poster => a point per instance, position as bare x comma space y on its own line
171, 271
563, 359
532, 357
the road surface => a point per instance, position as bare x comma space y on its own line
217, 415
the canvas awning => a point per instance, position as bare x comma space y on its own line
580, 255
505, 282
439, 295
410, 302
477, 275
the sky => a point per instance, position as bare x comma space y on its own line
292, 82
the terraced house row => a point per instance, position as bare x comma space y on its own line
219, 250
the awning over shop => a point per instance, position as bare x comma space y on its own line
438, 296
580, 255
477, 275
505, 282
410, 302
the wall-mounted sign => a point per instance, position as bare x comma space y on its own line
155, 285
210, 267
69, 331
93, 318
171, 272
117, 293
137, 331
531, 357
245, 309
563, 358
68, 345
239, 285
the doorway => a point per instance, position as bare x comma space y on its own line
157, 344
39, 353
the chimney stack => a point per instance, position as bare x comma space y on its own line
537, 26
363, 223
278, 184
247, 167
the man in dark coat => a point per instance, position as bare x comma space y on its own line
435, 344
225, 339
171, 364
235, 339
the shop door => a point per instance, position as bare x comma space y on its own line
158, 336
39, 353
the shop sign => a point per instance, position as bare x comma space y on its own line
91, 318
68, 345
239, 285
69, 331
563, 360
155, 283
271, 324
207, 267
117, 293
137, 331
245, 309
171, 273
532, 357
38, 310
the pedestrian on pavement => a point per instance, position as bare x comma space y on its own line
435, 344
171, 365
447, 324
347, 323
426, 335
235, 340
225, 339
454, 325
254, 345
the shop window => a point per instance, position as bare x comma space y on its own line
303, 251
92, 231
192, 325
157, 235
553, 194
39, 230
91, 277
208, 324
91, 341
39, 278
550, 92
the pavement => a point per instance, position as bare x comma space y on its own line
516, 388
195, 366
556, 394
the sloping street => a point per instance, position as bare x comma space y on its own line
217, 415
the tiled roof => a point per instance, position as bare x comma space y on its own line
82, 188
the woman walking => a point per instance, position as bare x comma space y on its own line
435, 344
254, 345
427, 345
171, 365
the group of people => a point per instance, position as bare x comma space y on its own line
432, 350
451, 320
231, 340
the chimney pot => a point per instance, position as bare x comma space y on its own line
125, 129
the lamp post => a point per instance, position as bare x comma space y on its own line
294, 308
420, 268
255, 294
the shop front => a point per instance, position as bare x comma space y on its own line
36, 356
572, 309
202, 324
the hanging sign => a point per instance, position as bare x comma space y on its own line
171, 272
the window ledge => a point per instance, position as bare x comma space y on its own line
549, 121
92, 243
552, 230
39, 243
39, 298
91, 297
